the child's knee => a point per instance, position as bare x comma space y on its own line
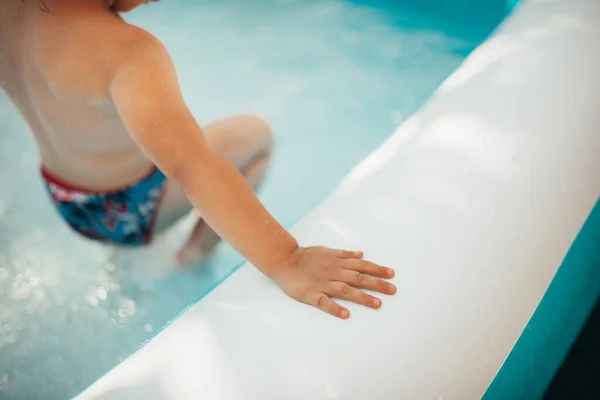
260, 131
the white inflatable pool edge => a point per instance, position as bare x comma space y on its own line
480, 201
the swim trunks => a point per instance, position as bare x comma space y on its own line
124, 217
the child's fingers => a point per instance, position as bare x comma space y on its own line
369, 268
344, 291
350, 254
324, 303
364, 281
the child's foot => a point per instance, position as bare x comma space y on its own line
200, 245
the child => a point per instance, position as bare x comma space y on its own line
122, 156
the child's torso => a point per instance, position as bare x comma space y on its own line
55, 66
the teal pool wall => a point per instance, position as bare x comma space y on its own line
557, 321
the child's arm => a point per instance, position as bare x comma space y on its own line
146, 93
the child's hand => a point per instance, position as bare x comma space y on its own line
315, 274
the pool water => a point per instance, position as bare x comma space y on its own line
333, 77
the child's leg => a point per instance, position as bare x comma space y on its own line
246, 141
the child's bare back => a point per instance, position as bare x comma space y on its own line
57, 67
122, 157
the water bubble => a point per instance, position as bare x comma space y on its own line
92, 300
102, 293
92, 296
110, 267
148, 327
32, 278
127, 308
20, 287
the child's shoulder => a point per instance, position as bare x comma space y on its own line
89, 52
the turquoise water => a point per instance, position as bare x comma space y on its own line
333, 77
